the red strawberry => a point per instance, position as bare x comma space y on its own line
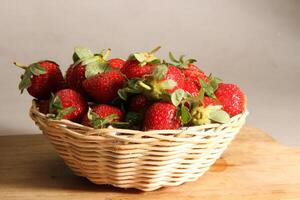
132, 69
209, 101
165, 80
75, 76
191, 88
174, 74
67, 104
161, 115
86, 64
189, 70
140, 64
43, 106
41, 79
104, 87
231, 98
194, 74
102, 115
137, 103
116, 63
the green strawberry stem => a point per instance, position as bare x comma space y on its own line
22, 66
154, 50
105, 53
144, 85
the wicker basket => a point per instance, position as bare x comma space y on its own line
136, 159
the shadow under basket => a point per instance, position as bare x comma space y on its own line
145, 160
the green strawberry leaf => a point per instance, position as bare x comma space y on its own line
181, 59
81, 53
134, 86
133, 118
34, 69
160, 72
98, 122
37, 69
214, 82
143, 63
181, 63
167, 84
177, 96
217, 79
121, 124
56, 109
105, 53
55, 103
201, 95
219, 116
190, 61
75, 58
155, 62
95, 68
63, 112
172, 58
25, 80
185, 115
123, 94
94, 59
139, 57
208, 89
109, 119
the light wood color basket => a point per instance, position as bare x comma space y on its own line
136, 159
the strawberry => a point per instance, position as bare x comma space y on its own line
161, 115
164, 81
231, 98
209, 101
140, 64
191, 88
86, 64
190, 71
116, 63
102, 115
75, 76
41, 78
67, 104
43, 106
132, 69
138, 103
194, 74
104, 87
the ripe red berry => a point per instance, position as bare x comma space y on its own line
133, 69
104, 87
41, 79
86, 64
68, 104
75, 76
137, 103
116, 63
164, 80
191, 88
231, 98
43, 106
161, 115
103, 111
194, 74
175, 75
209, 101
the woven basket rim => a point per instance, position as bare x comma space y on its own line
93, 133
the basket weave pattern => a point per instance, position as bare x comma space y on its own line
136, 159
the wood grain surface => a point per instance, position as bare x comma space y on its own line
255, 166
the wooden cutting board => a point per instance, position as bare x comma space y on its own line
254, 167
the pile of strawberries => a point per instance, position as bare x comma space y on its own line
142, 92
